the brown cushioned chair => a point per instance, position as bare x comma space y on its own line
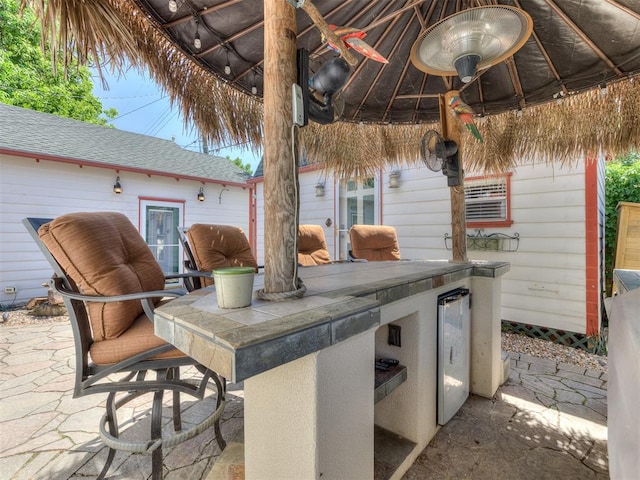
110, 283
312, 247
214, 246
374, 243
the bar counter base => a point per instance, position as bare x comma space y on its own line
308, 366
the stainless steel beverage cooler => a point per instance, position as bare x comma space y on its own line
454, 344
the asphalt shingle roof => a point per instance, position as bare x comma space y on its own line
38, 133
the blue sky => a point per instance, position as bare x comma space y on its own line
144, 108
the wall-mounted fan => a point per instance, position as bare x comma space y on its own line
440, 154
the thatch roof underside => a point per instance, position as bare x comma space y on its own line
566, 130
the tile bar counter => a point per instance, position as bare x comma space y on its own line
308, 364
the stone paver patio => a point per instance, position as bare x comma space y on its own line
547, 421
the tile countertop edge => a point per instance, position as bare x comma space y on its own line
256, 348
257, 358
325, 315
490, 269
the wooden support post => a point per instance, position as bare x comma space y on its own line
451, 131
319, 21
280, 172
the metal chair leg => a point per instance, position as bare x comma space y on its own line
221, 387
112, 421
156, 433
177, 416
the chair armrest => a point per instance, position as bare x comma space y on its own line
145, 298
57, 285
191, 277
189, 274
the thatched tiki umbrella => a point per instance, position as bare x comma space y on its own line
547, 99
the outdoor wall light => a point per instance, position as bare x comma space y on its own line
394, 179
117, 188
320, 189
220, 196
173, 6
201, 195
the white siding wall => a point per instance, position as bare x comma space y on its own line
259, 244
313, 210
316, 210
546, 284
420, 209
49, 189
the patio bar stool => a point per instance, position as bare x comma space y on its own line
312, 246
209, 246
374, 243
110, 283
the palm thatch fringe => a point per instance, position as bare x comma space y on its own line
118, 32
567, 131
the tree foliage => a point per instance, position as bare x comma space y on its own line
245, 166
27, 77
622, 184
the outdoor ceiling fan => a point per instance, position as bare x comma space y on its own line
471, 40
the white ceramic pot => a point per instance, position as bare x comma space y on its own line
234, 286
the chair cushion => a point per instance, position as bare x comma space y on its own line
138, 338
374, 242
216, 246
312, 247
103, 253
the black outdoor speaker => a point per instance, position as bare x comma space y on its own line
318, 91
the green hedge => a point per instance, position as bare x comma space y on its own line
622, 184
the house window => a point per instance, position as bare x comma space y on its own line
487, 201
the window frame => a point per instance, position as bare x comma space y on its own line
146, 203
507, 221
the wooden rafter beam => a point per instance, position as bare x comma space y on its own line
403, 74
351, 20
419, 96
624, 9
584, 38
391, 16
322, 25
258, 66
515, 79
230, 39
362, 64
200, 13
546, 56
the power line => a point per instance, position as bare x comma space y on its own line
140, 108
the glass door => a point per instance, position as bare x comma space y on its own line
159, 228
358, 206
